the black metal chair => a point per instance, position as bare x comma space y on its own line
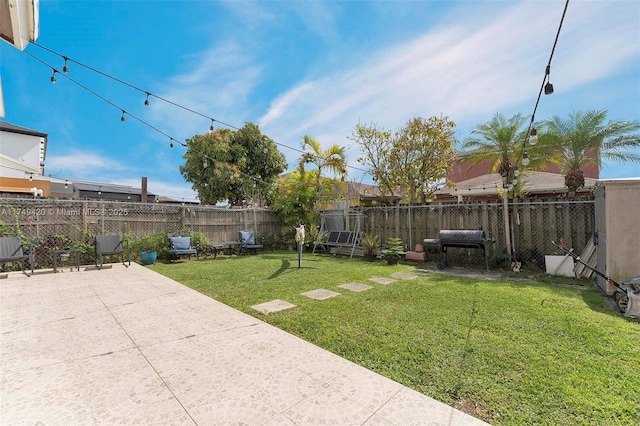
12, 250
111, 245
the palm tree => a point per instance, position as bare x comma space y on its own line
333, 159
586, 138
500, 141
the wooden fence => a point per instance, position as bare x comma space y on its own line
534, 224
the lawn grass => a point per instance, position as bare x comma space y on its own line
510, 353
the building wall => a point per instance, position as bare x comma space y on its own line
11, 185
463, 170
24, 148
622, 206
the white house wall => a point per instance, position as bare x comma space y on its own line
25, 149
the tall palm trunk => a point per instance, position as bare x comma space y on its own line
574, 179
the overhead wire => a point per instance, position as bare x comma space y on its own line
129, 114
150, 94
215, 162
544, 81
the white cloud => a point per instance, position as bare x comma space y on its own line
464, 71
78, 163
220, 79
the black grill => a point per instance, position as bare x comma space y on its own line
458, 238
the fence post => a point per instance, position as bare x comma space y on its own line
507, 231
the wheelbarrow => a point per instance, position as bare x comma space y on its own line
627, 294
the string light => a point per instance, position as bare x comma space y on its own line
53, 76
533, 136
65, 68
122, 118
547, 87
146, 101
149, 94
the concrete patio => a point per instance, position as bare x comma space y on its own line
129, 346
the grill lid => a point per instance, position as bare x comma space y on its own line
462, 236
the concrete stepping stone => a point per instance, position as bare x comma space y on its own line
355, 286
403, 276
381, 280
320, 294
273, 306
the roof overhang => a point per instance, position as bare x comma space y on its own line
19, 22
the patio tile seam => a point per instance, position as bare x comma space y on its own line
137, 347
377, 410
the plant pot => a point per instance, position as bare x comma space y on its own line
392, 260
370, 257
148, 257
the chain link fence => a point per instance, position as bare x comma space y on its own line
533, 225
50, 224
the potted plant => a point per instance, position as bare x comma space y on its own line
393, 250
371, 245
147, 246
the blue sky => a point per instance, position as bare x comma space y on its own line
311, 67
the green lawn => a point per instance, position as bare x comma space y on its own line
510, 353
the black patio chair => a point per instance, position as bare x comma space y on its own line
12, 250
111, 245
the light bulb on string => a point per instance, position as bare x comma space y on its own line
211, 127
65, 68
53, 77
548, 88
171, 143
525, 159
533, 136
122, 117
146, 101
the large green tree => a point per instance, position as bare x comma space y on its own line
412, 160
376, 146
226, 165
422, 153
586, 138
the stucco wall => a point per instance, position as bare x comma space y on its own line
622, 204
